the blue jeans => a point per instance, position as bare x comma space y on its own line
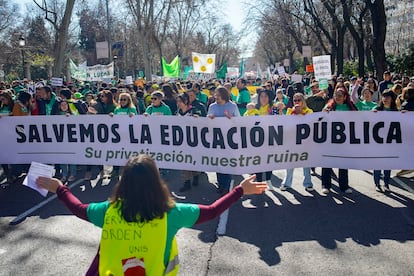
377, 177
307, 182
223, 181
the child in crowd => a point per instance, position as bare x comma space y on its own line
251, 110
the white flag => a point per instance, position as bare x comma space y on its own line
204, 63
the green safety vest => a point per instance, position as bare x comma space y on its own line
134, 248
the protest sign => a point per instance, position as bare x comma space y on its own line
296, 78
128, 80
309, 68
281, 71
322, 67
56, 81
358, 140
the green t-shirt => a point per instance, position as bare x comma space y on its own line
365, 106
342, 107
182, 215
125, 111
163, 109
243, 97
202, 97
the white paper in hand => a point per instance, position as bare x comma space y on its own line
36, 170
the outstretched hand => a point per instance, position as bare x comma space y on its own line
50, 184
251, 187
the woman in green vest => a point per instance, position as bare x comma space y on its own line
139, 222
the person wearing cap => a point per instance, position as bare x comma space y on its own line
318, 99
157, 107
387, 103
244, 95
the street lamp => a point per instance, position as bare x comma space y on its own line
115, 57
22, 43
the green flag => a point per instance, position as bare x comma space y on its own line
221, 73
172, 69
241, 69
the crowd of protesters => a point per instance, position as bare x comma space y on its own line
186, 98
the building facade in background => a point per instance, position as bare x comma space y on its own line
400, 25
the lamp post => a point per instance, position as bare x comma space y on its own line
22, 43
115, 57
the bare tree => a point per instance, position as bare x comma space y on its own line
61, 27
147, 14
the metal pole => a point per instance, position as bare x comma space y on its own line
23, 64
108, 26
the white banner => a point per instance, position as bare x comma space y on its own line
99, 72
198, 76
358, 140
322, 67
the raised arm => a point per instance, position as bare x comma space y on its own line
65, 195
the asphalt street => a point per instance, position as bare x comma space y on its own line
278, 233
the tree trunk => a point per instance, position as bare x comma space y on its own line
368, 55
379, 28
61, 39
147, 60
340, 49
361, 57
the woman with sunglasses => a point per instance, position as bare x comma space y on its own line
157, 106
299, 108
341, 101
125, 107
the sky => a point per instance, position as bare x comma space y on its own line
233, 14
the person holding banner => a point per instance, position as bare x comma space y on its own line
186, 109
157, 107
105, 104
49, 103
223, 107
299, 108
387, 104
64, 109
141, 219
341, 101
265, 107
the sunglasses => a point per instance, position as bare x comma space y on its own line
297, 100
154, 99
123, 100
